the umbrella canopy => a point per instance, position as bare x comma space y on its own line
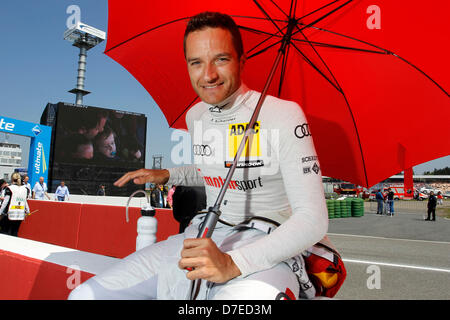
373, 80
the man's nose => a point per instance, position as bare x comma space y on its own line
210, 74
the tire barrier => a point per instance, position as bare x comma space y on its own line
348, 207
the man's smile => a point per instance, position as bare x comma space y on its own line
212, 86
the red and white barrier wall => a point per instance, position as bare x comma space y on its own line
35, 270
63, 243
95, 228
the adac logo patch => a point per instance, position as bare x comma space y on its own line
252, 150
236, 133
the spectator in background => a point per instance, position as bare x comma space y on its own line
15, 206
61, 192
3, 185
101, 190
380, 200
157, 196
439, 198
3, 222
432, 201
170, 196
40, 190
390, 201
27, 184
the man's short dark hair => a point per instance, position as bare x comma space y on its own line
209, 19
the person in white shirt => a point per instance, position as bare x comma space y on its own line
40, 190
274, 208
15, 206
61, 192
27, 185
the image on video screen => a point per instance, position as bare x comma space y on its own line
98, 136
94, 147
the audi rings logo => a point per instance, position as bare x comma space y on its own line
202, 150
302, 131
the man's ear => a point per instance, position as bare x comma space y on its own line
242, 61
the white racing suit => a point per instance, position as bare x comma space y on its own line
277, 179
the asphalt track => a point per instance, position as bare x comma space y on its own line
400, 257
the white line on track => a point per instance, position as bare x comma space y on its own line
396, 265
373, 237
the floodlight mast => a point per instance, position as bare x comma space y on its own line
85, 38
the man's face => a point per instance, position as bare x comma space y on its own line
62, 184
41, 180
213, 64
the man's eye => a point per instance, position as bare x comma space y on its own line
194, 63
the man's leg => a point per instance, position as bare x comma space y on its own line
278, 283
134, 277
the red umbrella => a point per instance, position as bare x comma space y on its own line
371, 76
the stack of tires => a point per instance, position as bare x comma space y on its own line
357, 207
330, 207
346, 208
350, 207
337, 209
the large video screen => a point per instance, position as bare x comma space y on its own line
94, 146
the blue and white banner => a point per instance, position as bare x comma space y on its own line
39, 145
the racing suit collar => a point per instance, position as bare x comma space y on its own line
230, 104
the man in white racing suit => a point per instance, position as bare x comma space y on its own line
15, 206
274, 207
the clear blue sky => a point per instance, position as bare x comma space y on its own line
38, 66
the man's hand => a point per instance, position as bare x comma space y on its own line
142, 176
206, 261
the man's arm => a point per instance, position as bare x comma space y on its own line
142, 176
187, 175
